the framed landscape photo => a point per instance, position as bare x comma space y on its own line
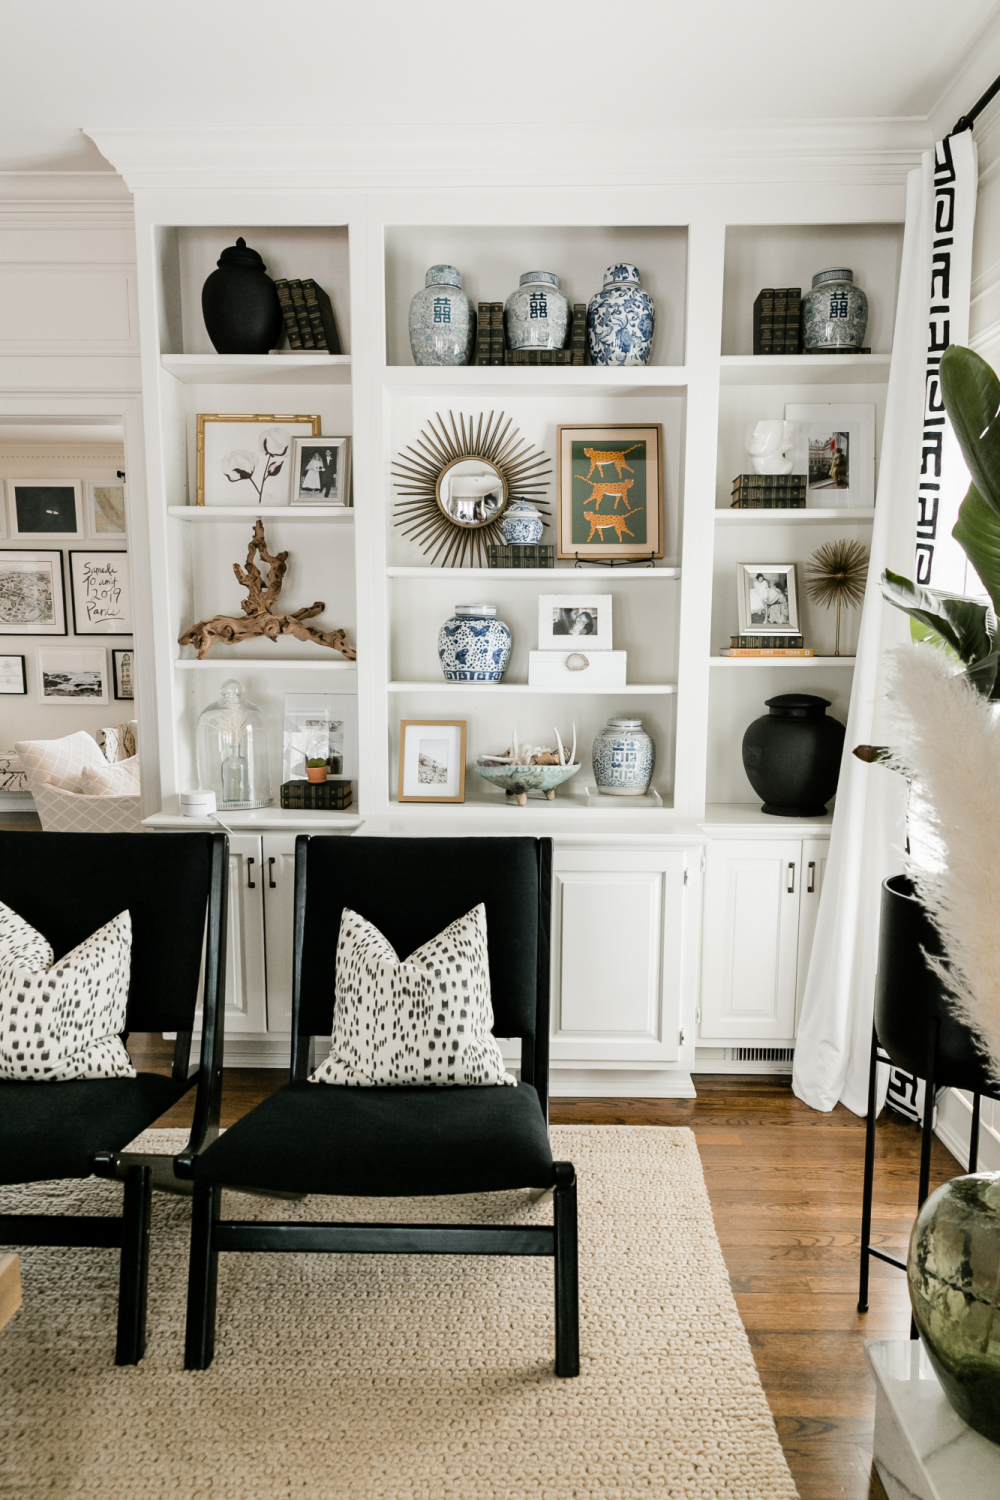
72, 674
432, 760
321, 471
106, 509
246, 460
102, 593
564, 619
32, 601
767, 598
123, 674
835, 448
46, 508
13, 677
610, 481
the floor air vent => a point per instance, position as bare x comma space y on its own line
762, 1054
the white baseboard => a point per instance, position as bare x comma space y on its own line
954, 1130
624, 1083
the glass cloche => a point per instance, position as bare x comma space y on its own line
232, 751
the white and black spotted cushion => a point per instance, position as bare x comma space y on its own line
425, 1020
61, 1020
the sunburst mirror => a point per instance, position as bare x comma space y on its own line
457, 484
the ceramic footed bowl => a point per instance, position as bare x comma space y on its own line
518, 781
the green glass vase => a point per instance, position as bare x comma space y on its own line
954, 1275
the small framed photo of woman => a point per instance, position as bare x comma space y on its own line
321, 471
767, 598
566, 618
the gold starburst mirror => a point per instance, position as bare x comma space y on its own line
458, 482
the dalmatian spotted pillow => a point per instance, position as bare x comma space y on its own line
425, 1020
61, 1020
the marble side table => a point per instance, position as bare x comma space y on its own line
923, 1450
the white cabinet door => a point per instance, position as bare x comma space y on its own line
245, 990
617, 952
279, 916
814, 856
752, 890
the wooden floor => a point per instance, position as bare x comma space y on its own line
785, 1186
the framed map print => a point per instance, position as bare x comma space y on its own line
32, 601
106, 509
611, 491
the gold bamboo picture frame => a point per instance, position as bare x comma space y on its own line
261, 458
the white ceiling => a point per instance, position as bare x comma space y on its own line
327, 62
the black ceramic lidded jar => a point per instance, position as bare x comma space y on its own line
240, 305
792, 755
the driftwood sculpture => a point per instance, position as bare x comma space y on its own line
258, 609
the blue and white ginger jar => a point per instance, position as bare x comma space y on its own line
620, 319
835, 312
536, 316
522, 524
442, 322
474, 646
624, 757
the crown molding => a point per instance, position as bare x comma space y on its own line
65, 200
292, 158
62, 452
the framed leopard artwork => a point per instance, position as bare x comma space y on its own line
611, 492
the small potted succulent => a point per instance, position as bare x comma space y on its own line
316, 769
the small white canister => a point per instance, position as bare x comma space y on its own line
197, 804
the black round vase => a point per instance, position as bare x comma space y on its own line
792, 755
240, 305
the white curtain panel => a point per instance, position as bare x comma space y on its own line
916, 508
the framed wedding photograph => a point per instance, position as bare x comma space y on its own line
432, 760
49, 508
246, 460
767, 598
72, 674
32, 600
102, 593
564, 619
610, 483
835, 448
123, 674
106, 508
321, 471
13, 676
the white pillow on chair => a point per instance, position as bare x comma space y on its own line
425, 1020
62, 1020
119, 779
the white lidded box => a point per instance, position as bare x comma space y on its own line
577, 671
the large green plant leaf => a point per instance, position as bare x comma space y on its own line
985, 675
972, 400
962, 623
977, 532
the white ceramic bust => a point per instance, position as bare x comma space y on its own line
768, 442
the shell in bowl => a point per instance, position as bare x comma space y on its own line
518, 781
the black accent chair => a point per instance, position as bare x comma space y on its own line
915, 1028
67, 885
401, 1142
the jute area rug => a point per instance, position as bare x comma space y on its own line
379, 1377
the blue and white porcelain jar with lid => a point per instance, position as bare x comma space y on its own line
624, 758
834, 312
536, 316
442, 323
522, 523
620, 319
474, 646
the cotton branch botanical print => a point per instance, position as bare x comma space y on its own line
257, 468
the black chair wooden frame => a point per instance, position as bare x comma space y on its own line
130, 1231
210, 1234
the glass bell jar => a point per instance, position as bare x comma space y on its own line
232, 751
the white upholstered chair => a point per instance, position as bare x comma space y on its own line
59, 770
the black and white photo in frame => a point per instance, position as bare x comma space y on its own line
32, 599
835, 448
123, 673
432, 760
565, 618
767, 598
106, 508
50, 508
102, 593
13, 676
320, 471
72, 674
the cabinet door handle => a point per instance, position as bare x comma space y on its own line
250, 884
811, 887
790, 888
270, 875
